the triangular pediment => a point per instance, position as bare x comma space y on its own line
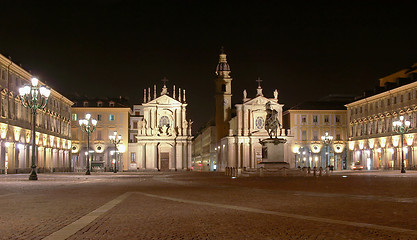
260, 100
163, 100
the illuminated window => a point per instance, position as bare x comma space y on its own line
111, 117
74, 117
164, 121
315, 118
98, 117
259, 122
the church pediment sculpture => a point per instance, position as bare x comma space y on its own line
165, 100
260, 100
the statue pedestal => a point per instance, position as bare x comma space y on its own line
273, 153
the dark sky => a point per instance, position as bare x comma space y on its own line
304, 49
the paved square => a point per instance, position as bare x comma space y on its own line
188, 205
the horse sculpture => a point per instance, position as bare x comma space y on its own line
272, 124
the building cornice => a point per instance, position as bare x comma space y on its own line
383, 94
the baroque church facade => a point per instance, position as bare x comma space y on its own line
161, 135
238, 137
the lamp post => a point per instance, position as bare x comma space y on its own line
402, 126
34, 97
327, 139
88, 125
115, 139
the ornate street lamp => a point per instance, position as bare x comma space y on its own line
88, 125
34, 97
115, 139
402, 126
327, 139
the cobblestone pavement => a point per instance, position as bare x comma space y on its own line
189, 205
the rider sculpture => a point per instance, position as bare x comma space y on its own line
272, 124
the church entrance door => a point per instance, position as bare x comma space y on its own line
164, 161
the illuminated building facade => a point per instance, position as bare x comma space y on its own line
161, 139
52, 126
111, 115
237, 137
372, 139
309, 121
204, 150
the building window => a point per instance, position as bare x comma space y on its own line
395, 100
338, 118
135, 125
98, 117
409, 96
303, 119
133, 157
137, 113
111, 117
315, 136
326, 118
99, 104
111, 104
99, 136
164, 121
304, 135
74, 117
338, 137
134, 138
315, 118
85, 104
402, 98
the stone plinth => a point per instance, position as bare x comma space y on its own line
273, 153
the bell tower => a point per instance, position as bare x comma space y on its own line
223, 96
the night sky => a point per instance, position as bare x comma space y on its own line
116, 48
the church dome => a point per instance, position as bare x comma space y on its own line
223, 67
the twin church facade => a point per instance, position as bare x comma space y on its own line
156, 134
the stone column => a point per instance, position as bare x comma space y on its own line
238, 153
245, 121
179, 155
157, 162
183, 120
188, 163
239, 119
231, 161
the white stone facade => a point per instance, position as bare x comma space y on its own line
241, 148
163, 139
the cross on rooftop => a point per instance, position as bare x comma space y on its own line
165, 80
259, 82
